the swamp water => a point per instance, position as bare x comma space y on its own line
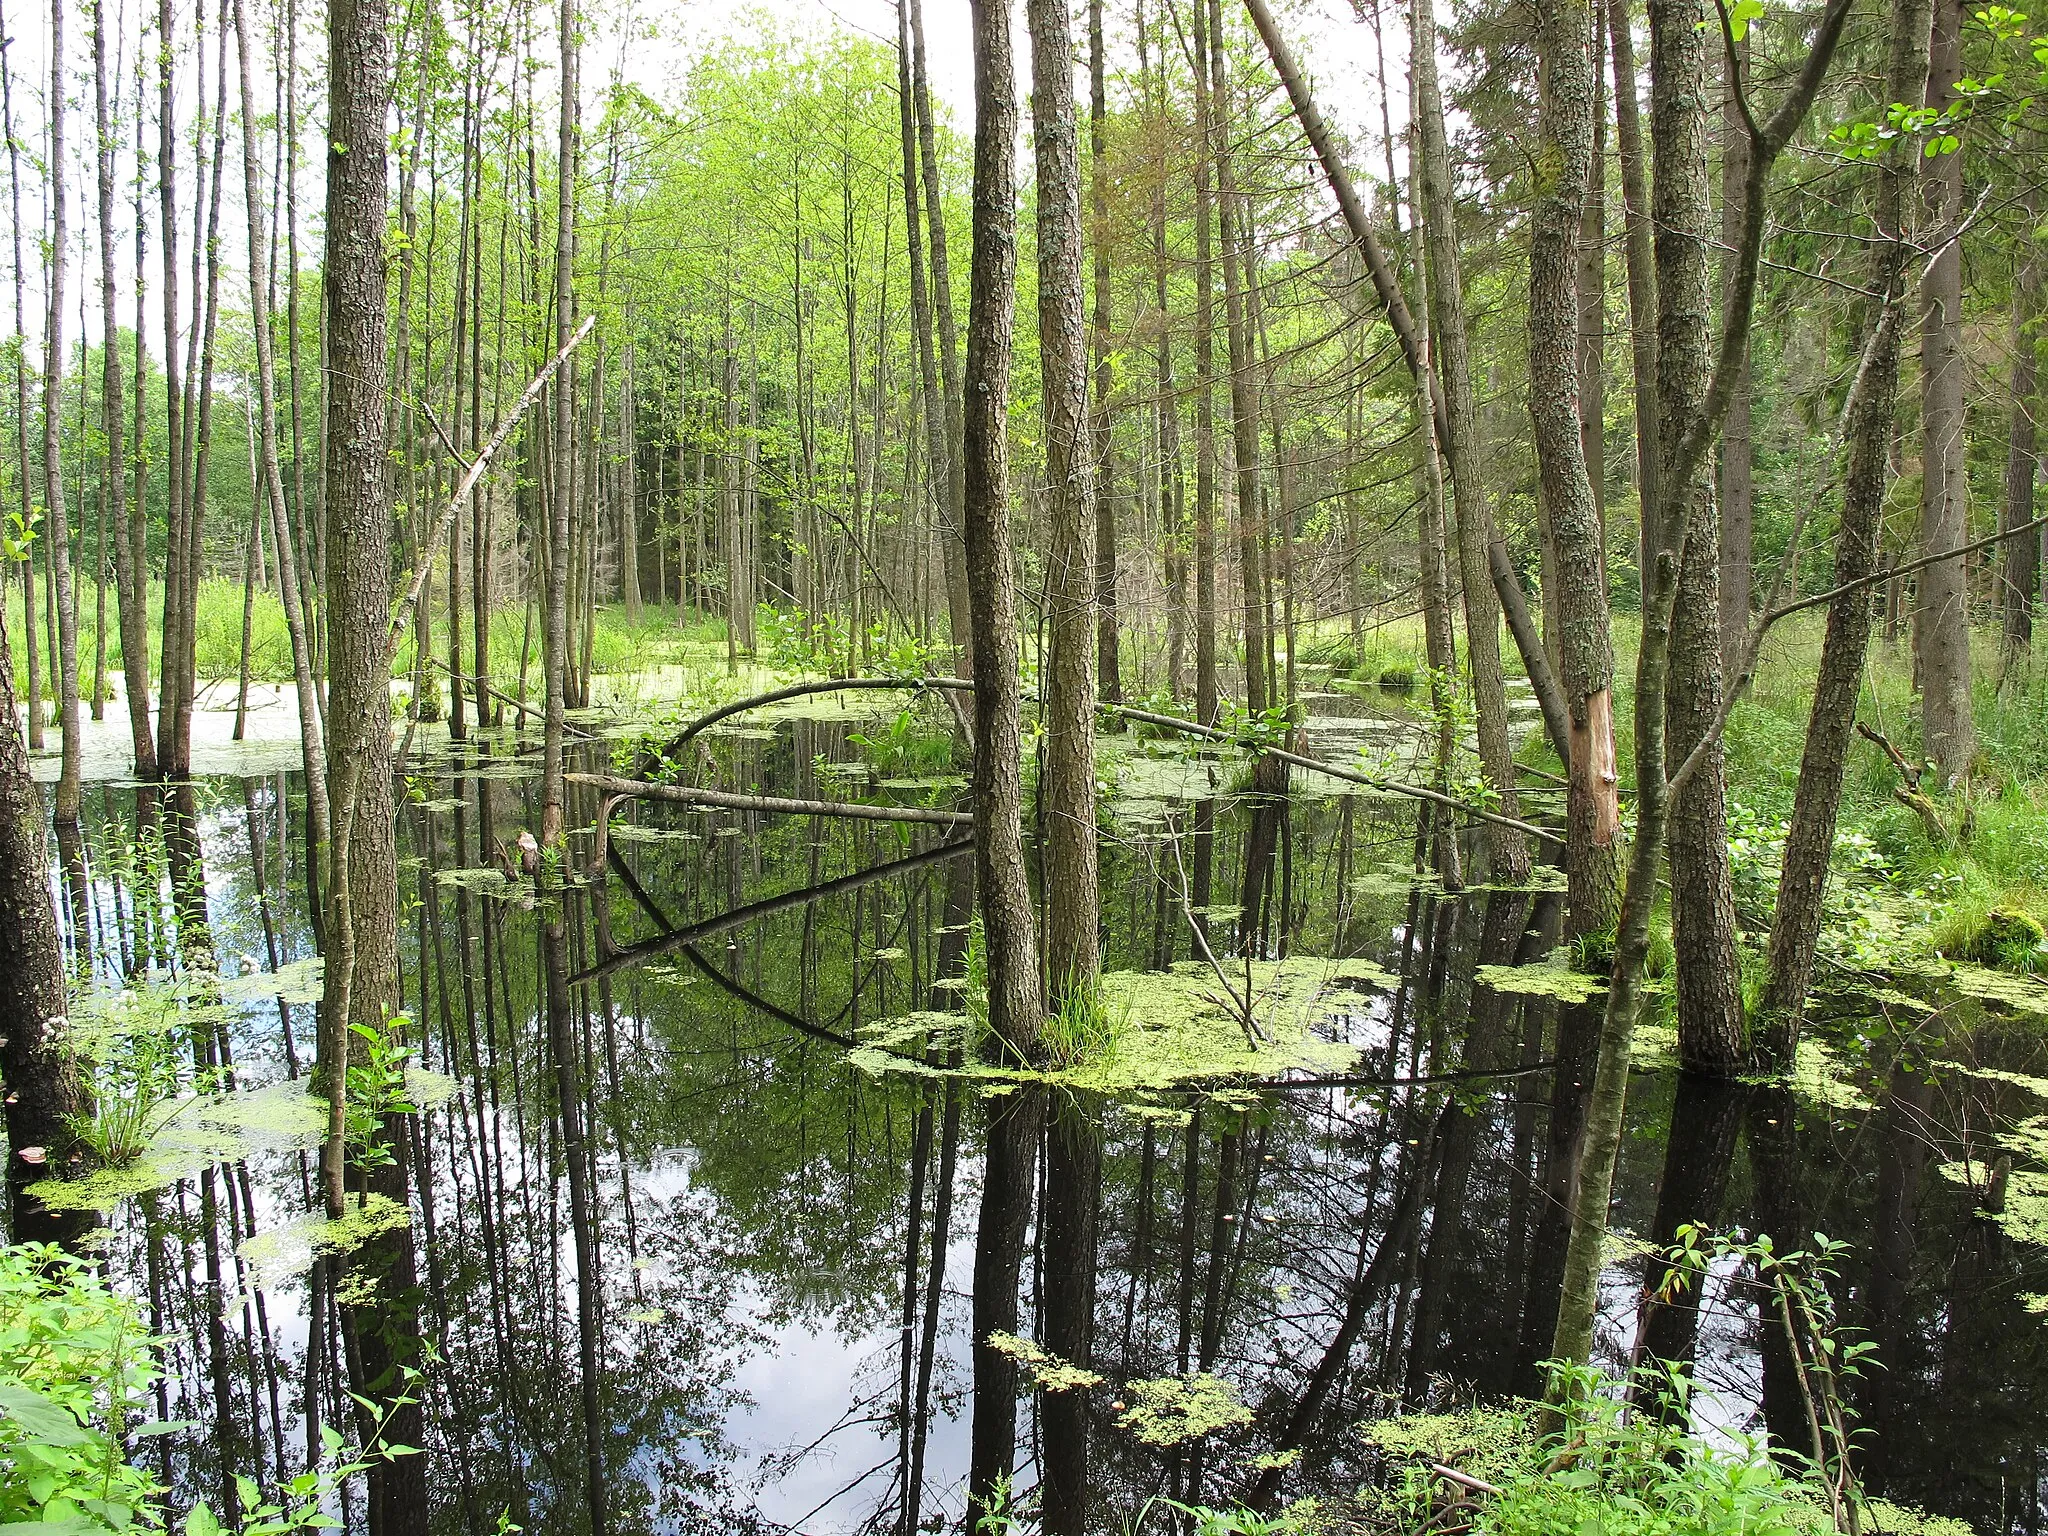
790, 1208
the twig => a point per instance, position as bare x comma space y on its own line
469, 480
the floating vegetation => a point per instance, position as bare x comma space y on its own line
298, 982
279, 1254
1821, 1076
2023, 1212
1172, 1410
1047, 1371
635, 832
1545, 980
1171, 1028
2022, 994
204, 1132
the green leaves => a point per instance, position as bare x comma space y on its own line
1741, 15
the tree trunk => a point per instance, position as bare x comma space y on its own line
170, 670
270, 485
42, 1089
1108, 662
1710, 1033
1640, 261
1067, 792
1736, 487
1205, 386
1002, 885
361, 983
561, 504
57, 535
1942, 635
131, 580
957, 604
1585, 648
1437, 215
2020, 558
1838, 681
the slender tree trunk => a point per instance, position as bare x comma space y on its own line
270, 481
1710, 1026
1437, 215
1585, 648
22, 413
57, 540
1108, 662
934, 395
131, 579
1736, 478
555, 629
1205, 386
1838, 681
1942, 635
170, 671
2020, 558
957, 604
1003, 889
1067, 792
1639, 257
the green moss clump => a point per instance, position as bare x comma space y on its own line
2008, 937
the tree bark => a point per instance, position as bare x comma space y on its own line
1437, 215
1838, 681
131, 578
1942, 635
1206, 701
57, 540
1640, 261
2020, 558
1108, 661
1737, 481
1585, 649
1002, 885
271, 483
1067, 792
361, 983
42, 1089
1710, 1027
561, 504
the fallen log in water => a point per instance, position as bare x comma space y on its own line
617, 789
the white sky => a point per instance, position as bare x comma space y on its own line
1333, 47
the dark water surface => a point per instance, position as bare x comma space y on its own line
784, 1246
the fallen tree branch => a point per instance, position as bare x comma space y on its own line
695, 933
1908, 791
686, 794
524, 404
1350, 776
802, 690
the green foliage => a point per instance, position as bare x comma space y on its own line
133, 1055
905, 747
1081, 1029
74, 1379
377, 1089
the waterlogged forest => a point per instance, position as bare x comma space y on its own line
1138, 767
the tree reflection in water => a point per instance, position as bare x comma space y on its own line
675, 1264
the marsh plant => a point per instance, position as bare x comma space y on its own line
132, 1050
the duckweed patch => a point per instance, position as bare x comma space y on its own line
1170, 1028
1545, 980
300, 981
1047, 1371
1173, 1410
280, 1254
